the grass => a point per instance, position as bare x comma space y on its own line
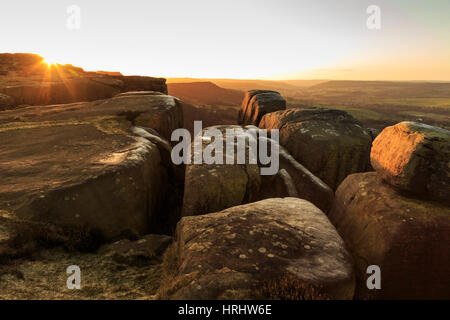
419, 102
169, 272
289, 287
28, 238
362, 114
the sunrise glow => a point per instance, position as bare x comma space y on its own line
238, 39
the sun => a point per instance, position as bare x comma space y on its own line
50, 62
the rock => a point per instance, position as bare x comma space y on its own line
374, 132
140, 83
214, 187
140, 252
407, 238
414, 157
5, 101
275, 248
330, 143
30, 81
90, 164
307, 185
257, 103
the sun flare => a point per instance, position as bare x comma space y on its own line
50, 62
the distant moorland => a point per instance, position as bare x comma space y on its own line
375, 104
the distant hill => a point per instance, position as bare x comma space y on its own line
205, 93
286, 87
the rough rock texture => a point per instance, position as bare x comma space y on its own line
408, 239
90, 163
139, 252
5, 101
240, 252
414, 157
214, 187
257, 103
122, 270
30, 81
330, 143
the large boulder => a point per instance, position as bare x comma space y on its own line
330, 143
214, 187
92, 164
414, 157
271, 249
408, 239
257, 103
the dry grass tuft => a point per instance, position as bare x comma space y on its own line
169, 271
289, 287
29, 238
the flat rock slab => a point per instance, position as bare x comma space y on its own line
240, 252
408, 239
414, 157
330, 143
86, 163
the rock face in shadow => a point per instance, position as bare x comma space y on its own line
91, 164
5, 101
408, 239
414, 157
273, 249
257, 103
139, 252
214, 187
330, 143
30, 81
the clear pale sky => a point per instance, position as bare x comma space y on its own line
272, 39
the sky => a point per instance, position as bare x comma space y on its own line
241, 39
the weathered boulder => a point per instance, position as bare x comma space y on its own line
414, 157
214, 187
330, 143
275, 248
257, 103
30, 81
408, 239
90, 164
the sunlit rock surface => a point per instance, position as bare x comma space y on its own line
257, 103
414, 157
91, 163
